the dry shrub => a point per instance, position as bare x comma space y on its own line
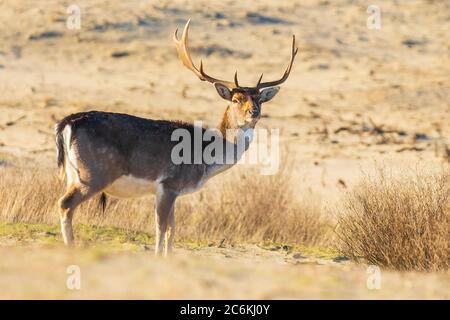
252, 207
399, 222
238, 206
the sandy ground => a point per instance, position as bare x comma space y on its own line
356, 98
246, 272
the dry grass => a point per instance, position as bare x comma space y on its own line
240, 206
400, 223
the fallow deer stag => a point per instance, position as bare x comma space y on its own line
125, 156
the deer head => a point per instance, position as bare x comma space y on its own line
244, 109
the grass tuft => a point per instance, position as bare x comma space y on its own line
400, 223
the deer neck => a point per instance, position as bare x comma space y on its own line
236, 140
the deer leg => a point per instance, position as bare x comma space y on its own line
66, 226
74, 196
170, 233
165, 200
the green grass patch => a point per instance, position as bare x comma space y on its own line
90, 235
310, 251
25, 232
106, 238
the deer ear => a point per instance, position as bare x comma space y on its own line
223, 91
268, 93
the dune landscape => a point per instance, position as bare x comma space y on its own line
364, 128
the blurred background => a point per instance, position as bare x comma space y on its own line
357, 98
355, 94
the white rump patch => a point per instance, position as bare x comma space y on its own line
71, 167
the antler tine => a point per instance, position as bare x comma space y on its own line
286, 73
259, 81
185, 57
236, 80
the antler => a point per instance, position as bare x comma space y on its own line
185, 57
260, 84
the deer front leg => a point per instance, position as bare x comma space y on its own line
165, 200
170, 233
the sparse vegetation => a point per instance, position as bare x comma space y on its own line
355, 97
258, 209
401, 223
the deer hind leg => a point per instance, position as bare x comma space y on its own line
74, 196
164, 216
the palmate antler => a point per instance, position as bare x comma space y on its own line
185, 57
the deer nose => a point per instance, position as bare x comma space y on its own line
254, 112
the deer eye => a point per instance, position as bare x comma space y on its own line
235, 100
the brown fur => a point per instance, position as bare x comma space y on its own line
107, 146
122, 155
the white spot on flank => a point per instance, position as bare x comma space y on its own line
132, 187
